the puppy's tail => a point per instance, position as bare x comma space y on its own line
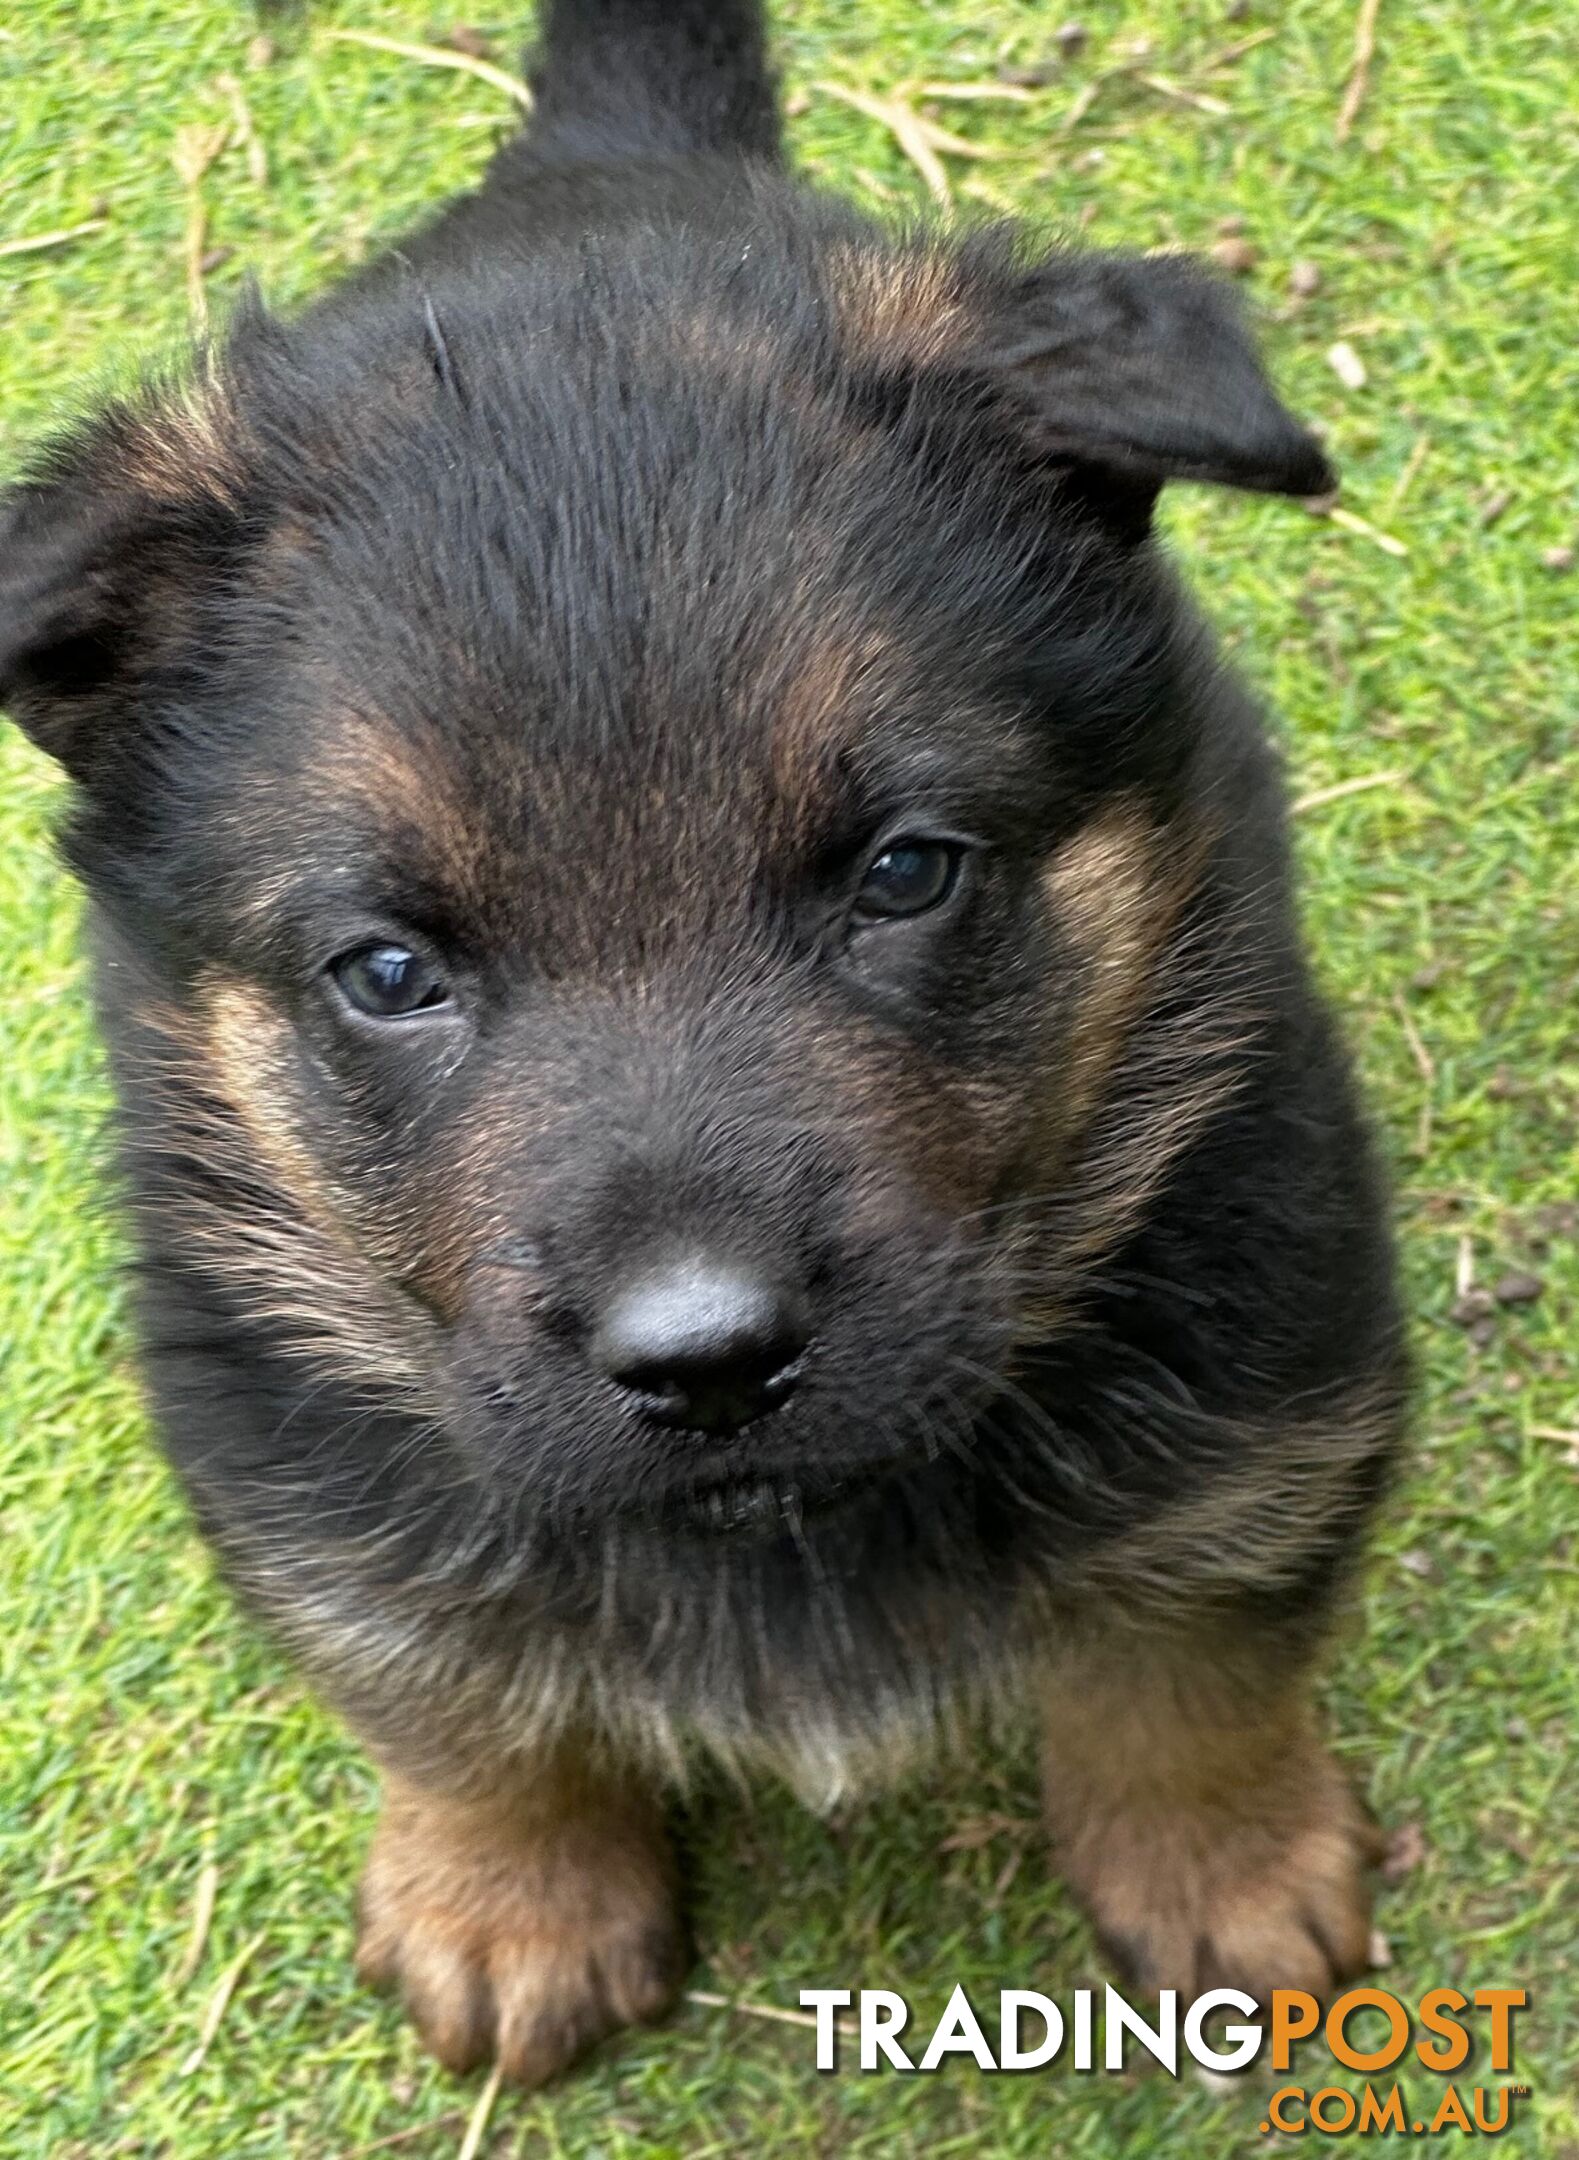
615, 79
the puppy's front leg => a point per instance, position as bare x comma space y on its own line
1195, 1812
525, 1922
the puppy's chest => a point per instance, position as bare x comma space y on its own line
829, 1690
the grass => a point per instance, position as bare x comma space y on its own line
146, 1735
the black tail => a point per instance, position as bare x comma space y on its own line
653, 78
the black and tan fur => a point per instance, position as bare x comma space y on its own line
581, 598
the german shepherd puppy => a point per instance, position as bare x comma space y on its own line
732, 1148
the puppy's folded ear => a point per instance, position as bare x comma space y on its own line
104, 551
1135, 371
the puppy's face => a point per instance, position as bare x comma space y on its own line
654, 838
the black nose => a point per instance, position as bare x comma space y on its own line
704, 1342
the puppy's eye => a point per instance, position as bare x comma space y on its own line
907, 879
388, 982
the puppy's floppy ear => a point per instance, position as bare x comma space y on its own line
1134, 371
103, 551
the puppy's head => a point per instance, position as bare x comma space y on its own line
659, 801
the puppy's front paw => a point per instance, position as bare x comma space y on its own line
527, 1933
1253, 1891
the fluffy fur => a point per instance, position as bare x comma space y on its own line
582, 596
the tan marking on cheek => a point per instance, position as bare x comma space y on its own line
905, 312
273, 1229
1106, 890
1158, 1049
249, 1049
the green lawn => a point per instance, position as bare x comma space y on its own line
149, 1742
